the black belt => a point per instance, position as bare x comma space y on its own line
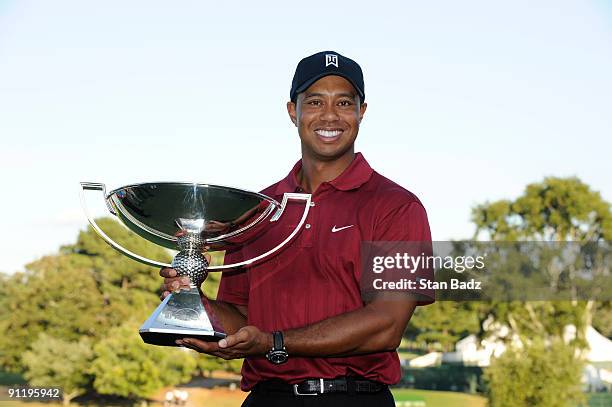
313, 387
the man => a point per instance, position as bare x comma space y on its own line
307, 335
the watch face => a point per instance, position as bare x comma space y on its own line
277, 357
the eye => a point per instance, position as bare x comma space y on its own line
314, 102
345, 103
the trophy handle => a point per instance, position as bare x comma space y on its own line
94, 186
286, 197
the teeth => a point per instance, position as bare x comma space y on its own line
328, 133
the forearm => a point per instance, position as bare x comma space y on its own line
231, 316
375, 328
365, 330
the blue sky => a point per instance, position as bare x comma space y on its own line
468, 101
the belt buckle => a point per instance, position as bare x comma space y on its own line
321, 389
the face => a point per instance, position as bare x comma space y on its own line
327, 116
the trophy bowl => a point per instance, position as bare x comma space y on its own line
191, 218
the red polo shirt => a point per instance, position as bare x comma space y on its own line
317, 276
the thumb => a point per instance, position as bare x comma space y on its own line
231, 340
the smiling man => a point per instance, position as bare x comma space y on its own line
308, 335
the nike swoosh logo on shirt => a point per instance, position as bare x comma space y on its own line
335, 229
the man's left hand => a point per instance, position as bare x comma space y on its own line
247, 341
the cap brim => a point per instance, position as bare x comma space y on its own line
310, 81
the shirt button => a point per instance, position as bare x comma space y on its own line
307, 226
312, 203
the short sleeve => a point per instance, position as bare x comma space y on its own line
234, 285
406, 228
406, 223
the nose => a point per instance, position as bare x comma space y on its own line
329, 112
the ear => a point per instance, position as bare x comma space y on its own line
292, 110
362, 110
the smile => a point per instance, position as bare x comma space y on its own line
329, 133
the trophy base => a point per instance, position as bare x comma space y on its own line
181, 315
168, 338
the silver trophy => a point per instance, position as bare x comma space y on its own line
190, 217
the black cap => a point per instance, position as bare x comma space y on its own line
315, 67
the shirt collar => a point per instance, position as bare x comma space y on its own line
355, 175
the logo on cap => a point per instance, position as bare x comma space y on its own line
331, 59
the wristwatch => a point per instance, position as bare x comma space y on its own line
277, 354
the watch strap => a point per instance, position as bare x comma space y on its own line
278, 342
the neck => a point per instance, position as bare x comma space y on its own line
314, 172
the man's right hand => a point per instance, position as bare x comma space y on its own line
174, 283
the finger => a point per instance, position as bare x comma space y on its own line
199, 345
221, 354
232, 340
172, 282
173, 285
167, 272
165, 294
239, 348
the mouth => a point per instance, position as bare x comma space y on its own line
329, 134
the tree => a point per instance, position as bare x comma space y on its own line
88, 296
557, 209
124, 365
57, 295
602, 318
114, 269
84, 290
543, 375
57, 362
445, 322
207, 364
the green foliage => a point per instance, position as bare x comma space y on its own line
445, 322
124, 365
114, 269
64, 320
211, 285
557, 209
602, 318
57, 295
538, 375
57, 362
82, 292
543, 319
207, 364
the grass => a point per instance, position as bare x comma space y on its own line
430, 398
600, 399
407, 355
